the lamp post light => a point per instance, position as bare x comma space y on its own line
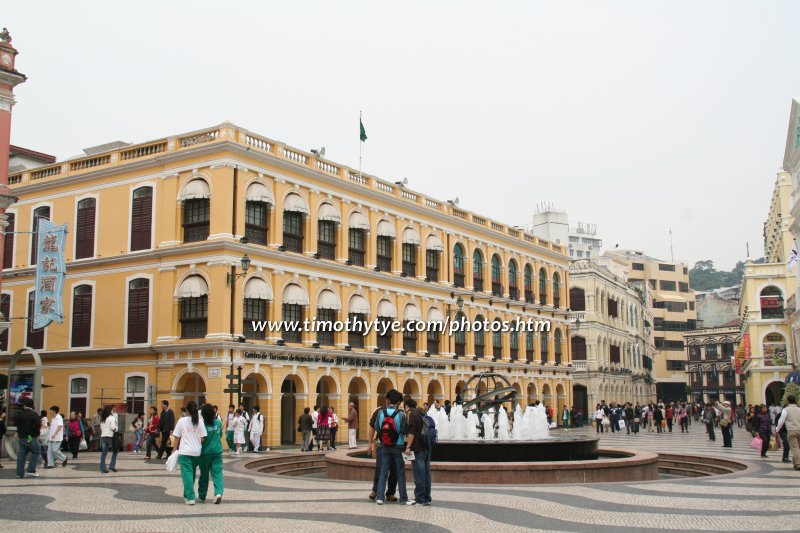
245, 264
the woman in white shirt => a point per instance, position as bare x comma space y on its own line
239, 425
599, 415
189, 433
108, 427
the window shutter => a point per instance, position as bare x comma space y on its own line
34, 337
8, 243
84, 234
5, 308
138, 311
82, 316
141, 219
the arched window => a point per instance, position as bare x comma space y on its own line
479, 336
433, 251
328, 217
82, 316
294, 300
294, 207
577, 299
141, 218
458, 265
578, 348
387, 313
33, 337
460, 336
138, 310
528, 284
257, 295
411, 317
410, 244
385, 243
497, 340
434, 317
513, 291
193, 298
771, 303
542, 286
135, 394
557, 346
196, 211
328, 306
497, 280
38, 214
556, 290
84, 228
79, 395
477, 270
256, 213
513, 343
358, 311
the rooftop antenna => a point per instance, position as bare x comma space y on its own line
671, 254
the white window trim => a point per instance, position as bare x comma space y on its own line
149, 278
144, 394
86, 395
44, 340
78, 199
132, 188
72, 288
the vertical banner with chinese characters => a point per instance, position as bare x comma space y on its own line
50, 274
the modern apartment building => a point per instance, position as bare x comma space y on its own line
553, 225
176, 246
672, 304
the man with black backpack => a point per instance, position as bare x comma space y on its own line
390, 426
419, 441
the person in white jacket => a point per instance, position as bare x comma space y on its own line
55, 437
256, 429
239, 424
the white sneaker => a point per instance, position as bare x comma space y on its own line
379, 502
411, 502
189, 502
217, 498
237, 452
31, 474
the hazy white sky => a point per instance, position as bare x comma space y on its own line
637, 116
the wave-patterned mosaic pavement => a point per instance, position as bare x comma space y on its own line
145, 497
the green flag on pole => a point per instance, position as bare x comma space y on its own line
363, 131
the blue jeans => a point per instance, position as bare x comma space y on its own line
392, 487
106, 443
392, 455
28, 447
421, 466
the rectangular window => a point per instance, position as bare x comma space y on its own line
141, 218
81, 316
432, 265
356, 246
385, 341
34, 337
326, 240
256, 223
409, 259
694, 352
711, 351
683, 286
194, 317
614, 353
196, 225
384, 253
293, 231
292, 314
325, 320
691, 306
727, 349
637, 266
513, 343
84, 231
675, 365
672, 346
544, 345
479, 343
5, 308
666, 285
8, 243
652, 283
409, 338
666, 268
355, 337
433, 341
138, 310
529, 340
254, 310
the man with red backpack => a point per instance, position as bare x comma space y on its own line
390, 427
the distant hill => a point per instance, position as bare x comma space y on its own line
704, 277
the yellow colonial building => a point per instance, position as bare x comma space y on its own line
158, 304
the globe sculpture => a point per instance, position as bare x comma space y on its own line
487, 392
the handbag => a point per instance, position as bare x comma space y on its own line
622, 424
756, 443
83, 446
724, 422
636, 420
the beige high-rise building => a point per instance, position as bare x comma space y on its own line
672, 304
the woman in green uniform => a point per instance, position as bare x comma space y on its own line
211, 455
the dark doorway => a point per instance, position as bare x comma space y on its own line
288, 392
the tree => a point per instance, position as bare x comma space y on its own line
792, 389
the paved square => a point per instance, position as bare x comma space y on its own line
145, 497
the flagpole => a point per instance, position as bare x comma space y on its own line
359, 147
